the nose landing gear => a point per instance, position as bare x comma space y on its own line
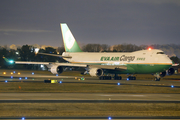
157, 77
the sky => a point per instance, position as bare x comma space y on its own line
140, 22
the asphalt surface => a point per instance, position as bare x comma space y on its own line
93, 118
86, 97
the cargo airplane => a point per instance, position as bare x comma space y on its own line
101, 64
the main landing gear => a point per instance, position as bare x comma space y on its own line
105, 77
157, 79
116, 77
131, 78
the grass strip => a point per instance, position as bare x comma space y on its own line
85, 88
89, 109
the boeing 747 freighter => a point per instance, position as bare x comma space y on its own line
102, 63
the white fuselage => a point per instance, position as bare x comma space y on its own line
154, 56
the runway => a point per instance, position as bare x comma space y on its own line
88, 96
74, 98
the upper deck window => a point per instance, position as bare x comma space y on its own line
160, 52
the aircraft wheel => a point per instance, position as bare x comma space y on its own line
131, 78
157, 79
134, 78
117, 78
105, 78
108, 77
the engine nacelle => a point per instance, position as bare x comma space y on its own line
56, 69
170, 71
162, 74
96, 72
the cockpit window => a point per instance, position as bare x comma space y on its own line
160, 52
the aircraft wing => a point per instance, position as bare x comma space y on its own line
25, 62
113, 67
52, 63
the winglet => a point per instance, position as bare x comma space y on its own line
70, 43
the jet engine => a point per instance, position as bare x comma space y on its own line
96, 72
56, 69
162, 74
170, 71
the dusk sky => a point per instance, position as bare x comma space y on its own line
91, 21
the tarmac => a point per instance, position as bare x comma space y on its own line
86, 97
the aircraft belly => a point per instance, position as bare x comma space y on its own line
141, 69
148, 68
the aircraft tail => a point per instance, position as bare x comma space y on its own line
70, 43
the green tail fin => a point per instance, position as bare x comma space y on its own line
70, 43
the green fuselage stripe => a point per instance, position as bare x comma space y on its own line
138, 68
